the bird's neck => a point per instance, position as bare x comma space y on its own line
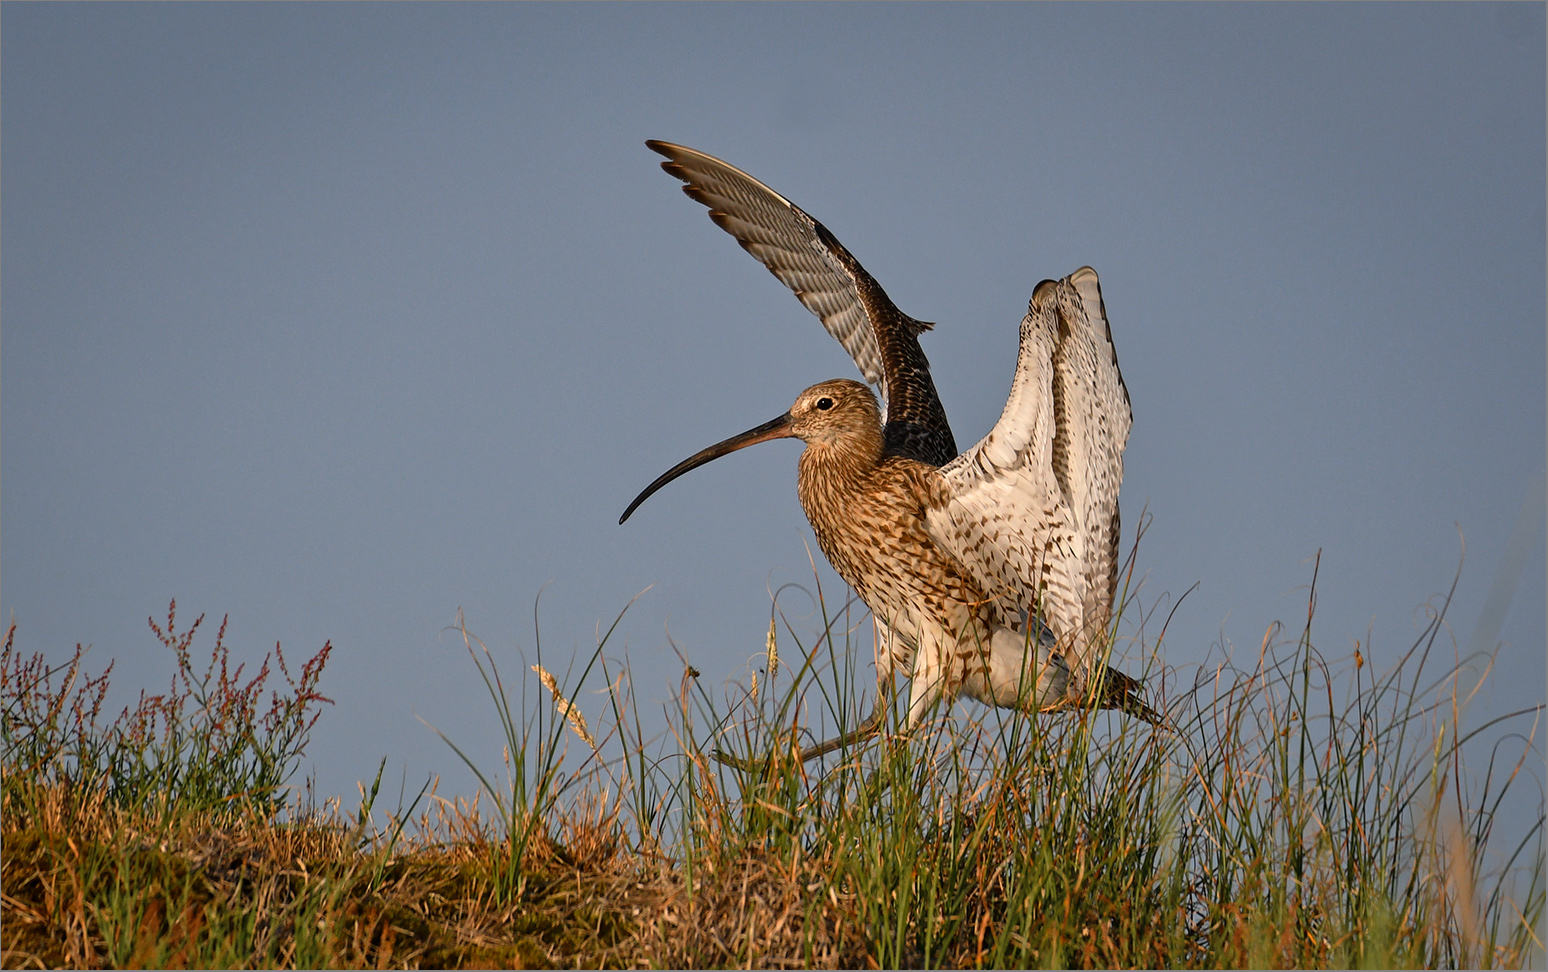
833, 470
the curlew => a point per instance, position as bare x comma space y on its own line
990, 573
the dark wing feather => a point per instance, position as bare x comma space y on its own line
833, 285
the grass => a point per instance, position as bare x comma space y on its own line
1299, 810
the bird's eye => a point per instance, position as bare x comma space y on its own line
824, 403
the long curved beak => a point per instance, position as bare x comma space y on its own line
779, 428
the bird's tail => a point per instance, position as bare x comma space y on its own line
1119, 691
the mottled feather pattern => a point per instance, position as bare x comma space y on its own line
1034, 507
1090, 387
936, 620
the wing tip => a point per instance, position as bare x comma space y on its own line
673, 166
1046, 290
1087, 277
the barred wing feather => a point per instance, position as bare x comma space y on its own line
786, 240
832, 284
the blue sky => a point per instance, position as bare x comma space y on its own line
339, 318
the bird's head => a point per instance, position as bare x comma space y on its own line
826, 414
833, 411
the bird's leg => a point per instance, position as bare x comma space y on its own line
927, 678
868, 727
865, 730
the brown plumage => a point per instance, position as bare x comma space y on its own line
991, 573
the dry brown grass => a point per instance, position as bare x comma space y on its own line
89, 885
75, 867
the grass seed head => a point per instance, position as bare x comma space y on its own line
565, 707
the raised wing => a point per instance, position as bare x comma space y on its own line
832, 284
1092, 420
1033, 513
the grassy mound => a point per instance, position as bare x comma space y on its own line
1295, 811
